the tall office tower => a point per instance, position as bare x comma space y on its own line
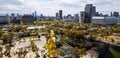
41, 16
93, 11
116, 14
57, 16
90, 11
35, 15
69, 17
76, 17
12, 17
18, 17
13, 14
111, 14
60, 14
82, 17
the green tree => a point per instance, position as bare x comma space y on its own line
1, 48
5, 38
8, 48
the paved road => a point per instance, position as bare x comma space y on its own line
26, 43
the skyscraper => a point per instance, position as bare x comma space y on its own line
116, 14
90, 11
76, 17
60, 14
93, 11
57, 15
35, 15
82, 17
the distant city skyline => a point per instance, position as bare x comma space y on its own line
50, 7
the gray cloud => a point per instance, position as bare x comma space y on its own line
103, 2
69, 5
10, 2
52, 6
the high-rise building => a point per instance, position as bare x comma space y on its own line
57, 15
41, 17
82, 17
60, 14
35, 15
76, 17
116, 14
4, 19
90, 11
93, 11
12, 17
27, 18
69, 17
111, 14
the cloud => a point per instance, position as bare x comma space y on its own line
50, 7
11, 2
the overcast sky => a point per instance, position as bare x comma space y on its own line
50, 7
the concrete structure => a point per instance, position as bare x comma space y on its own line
4, 19
28, 18
118, 20
116, 14
76, 17
69, 18
98, 20
104, 20
35, 15
60, 14
15, 19
90, 11
12, 17
82, 17
34, 27
110, 20
57, 15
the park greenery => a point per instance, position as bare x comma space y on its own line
115, 53
70, 32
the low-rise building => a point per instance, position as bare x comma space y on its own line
98, 20
4, 19
28, 18
110, 20
118, 20
104, 20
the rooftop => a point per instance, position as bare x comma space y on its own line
33, 27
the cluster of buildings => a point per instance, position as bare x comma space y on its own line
89, 15
17, 19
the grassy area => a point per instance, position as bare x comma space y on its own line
115, 53
116, 38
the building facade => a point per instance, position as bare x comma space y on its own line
60, 14
104, 20
98, 20
76, 17
57, 16
4, 19
28, 18
90, 11
82, 17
